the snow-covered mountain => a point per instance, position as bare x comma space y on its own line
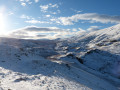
83, 62
98, 51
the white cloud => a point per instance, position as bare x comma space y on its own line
27, 0
10, 13
76, 11
65, 21
48, 15
36, 1
30, 19
54, 5
21, 0
36, 21
23, 4
93, 28
25, 17
41, 29
81, 30
53, 12
74, 29
44, 8
90, 17
78, 31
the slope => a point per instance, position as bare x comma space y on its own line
96, 52
24, 66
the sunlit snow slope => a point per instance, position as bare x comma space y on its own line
97, 52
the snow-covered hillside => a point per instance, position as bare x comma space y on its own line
24, 66
90, 61
97, 52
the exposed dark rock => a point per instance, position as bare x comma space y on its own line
68, 66
80, 60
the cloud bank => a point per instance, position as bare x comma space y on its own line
90, 17
33, 32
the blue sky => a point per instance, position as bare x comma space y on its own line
56, 18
